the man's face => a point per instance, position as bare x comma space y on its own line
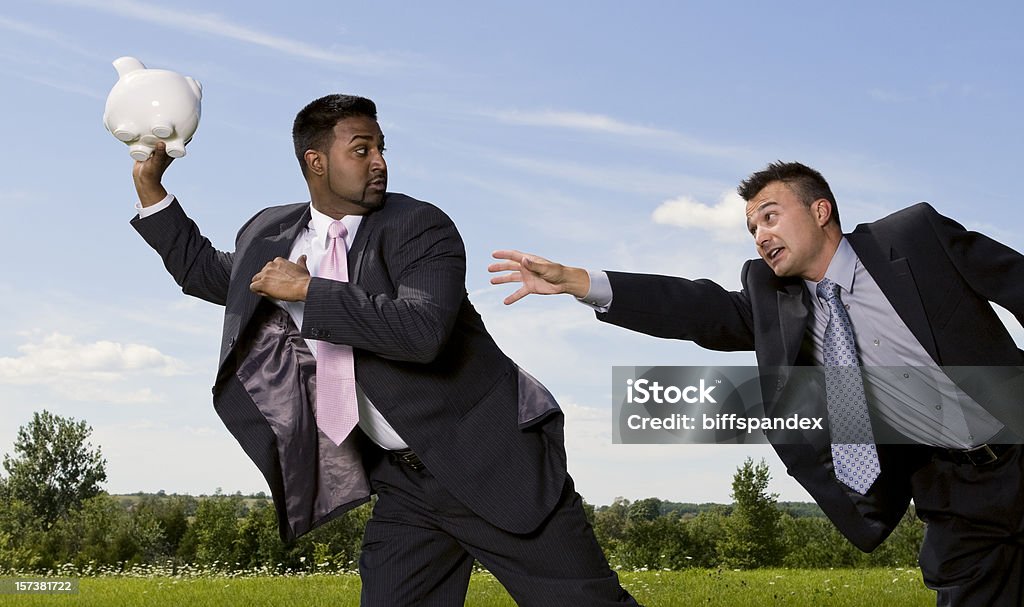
788, 235
355, 169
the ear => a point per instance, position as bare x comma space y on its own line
822, 211
314, 162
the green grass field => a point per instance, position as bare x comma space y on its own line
820, 588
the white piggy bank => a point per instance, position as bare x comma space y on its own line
146, 106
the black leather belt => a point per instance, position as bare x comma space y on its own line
978, 456
407, 457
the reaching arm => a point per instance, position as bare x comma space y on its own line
537, 275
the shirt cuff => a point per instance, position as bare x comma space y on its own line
599, 297
155, 208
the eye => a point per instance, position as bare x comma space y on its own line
360, 151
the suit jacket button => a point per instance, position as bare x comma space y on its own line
231, 342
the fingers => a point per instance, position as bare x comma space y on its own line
504, 278
510, 254
504, 266
513, 298
260, 279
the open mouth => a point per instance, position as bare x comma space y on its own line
773, 254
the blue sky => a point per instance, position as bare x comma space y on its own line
607, 135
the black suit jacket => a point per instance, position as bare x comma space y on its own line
490, 433
940, 279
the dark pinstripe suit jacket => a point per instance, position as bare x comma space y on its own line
487, 430
940, 279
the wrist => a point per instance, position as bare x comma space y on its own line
150, 195
578, 282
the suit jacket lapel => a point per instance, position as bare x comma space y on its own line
893, 275
777, 360
241, 301
794, 312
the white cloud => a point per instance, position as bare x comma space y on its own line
724, 220
578, 121
52, 38
600, 123
627, 179
83, 371
216, 25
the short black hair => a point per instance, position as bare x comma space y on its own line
808, 184
314, 124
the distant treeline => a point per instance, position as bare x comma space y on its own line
236, 533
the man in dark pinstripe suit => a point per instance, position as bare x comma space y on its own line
463, 449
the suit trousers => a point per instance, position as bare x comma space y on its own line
973, 550
420, 544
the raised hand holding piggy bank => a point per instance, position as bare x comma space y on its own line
146, 106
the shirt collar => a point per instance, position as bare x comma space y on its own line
320, 223
841, 269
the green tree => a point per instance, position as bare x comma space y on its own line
752, 531
102, 532
258, 543
644, 510
215, 531
54, 467
704, 532
20, 535
610, 526
814, 542
171, 513
901, 549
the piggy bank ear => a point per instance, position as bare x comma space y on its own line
127, 65
197, 86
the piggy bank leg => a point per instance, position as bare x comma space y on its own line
163, 131
175, 147
140, 151
125, 134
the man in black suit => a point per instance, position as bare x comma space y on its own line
463, 449
941, 373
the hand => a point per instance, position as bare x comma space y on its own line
538, 275
282, 279
149, 173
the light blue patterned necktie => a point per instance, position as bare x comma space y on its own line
854, 454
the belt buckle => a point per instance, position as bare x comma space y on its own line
981, 455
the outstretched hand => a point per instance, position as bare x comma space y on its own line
537, 275
282, 279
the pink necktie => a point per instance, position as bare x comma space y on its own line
336, 410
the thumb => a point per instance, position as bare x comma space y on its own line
302, 262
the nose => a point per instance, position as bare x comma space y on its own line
761, 236
377, 162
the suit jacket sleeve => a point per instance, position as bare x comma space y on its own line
696, 310
198, 268
993, 270
424, 255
